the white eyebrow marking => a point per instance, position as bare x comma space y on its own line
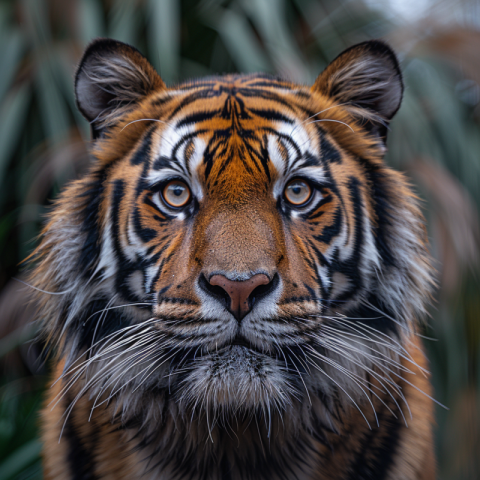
290, 167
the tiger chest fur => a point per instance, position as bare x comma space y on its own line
232, 290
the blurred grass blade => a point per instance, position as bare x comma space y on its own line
268, 16
55, 119
65, 68
239, 39
124, 21
13, 113
20, 459
322, 26
53, 109
163, 33
12, 46
90, 21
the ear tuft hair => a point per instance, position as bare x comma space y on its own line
112, 76
366, 76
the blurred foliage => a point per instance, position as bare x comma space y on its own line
434, 138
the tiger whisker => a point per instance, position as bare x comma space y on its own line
106, 309
362, 383
375, 375
300, 375
118, 367
318, 113
386, 358
329, 344
382, 366
102, 317
116, 390
388, 379
409, 357
83, 369
377, 333
106, 340
331, 120
344, 391
44, 291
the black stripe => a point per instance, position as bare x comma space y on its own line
350, 267
376, 316
194, 96
80, 457
273, 84
96, 323
197, 117
324, 290
143, 152
309, 160
162, 162
144, 233
271, 114
162, 101
91, 198
315, 213
328, 151
264, 157
333, 230
267, 95
376, 465
125, 267
378, 181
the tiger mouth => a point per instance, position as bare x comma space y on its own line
191, 354
292, 356
239, 341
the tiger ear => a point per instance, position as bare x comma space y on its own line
111, 77
367, 76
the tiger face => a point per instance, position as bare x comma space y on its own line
238, 244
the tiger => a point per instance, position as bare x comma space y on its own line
234, 289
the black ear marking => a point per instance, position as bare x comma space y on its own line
111, 77
366, 76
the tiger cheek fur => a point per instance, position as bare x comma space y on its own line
233, 290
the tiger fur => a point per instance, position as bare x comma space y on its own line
233, 289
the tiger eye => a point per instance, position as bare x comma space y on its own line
176, 194
298, 192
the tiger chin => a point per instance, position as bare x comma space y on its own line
233, 289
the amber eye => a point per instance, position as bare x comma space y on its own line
298, 192
176, 194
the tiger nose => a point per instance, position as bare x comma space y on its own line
240, 292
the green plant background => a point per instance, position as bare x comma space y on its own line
435, 138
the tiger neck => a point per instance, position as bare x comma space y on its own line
251, 448
236, 447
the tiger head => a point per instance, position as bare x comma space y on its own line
238, 244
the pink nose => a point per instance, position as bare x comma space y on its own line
239, 292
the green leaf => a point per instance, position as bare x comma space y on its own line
124, 21
163, 33
20, 459
91, 22
13, 113
52, 105
269, 18
12, 45
239, 39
